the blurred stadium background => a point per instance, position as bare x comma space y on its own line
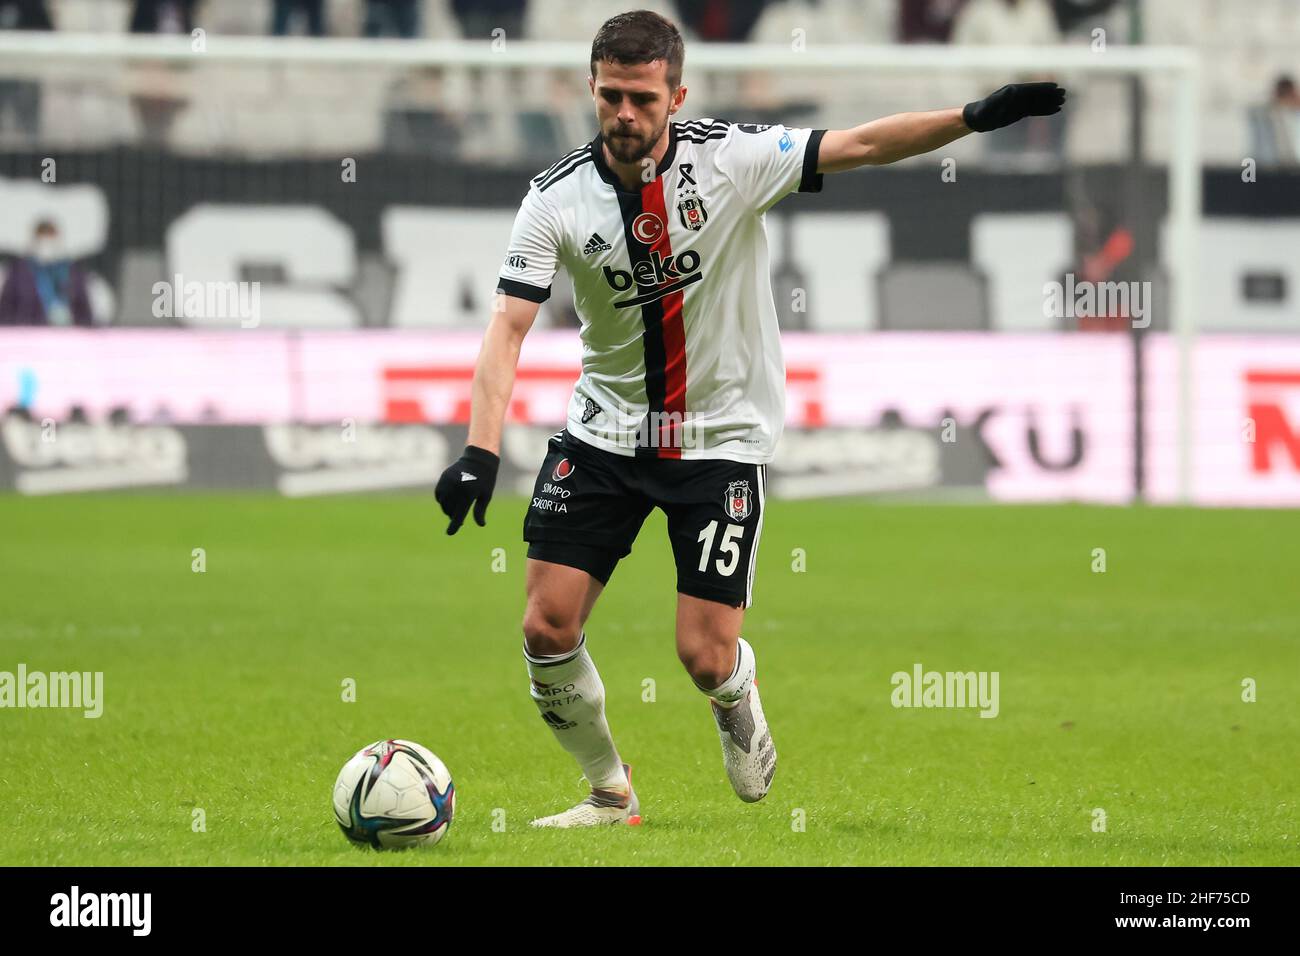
361, 161
254, 267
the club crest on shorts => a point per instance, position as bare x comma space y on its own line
737, 502
691, 211
562, 470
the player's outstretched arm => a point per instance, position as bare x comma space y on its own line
471, 479
891, 138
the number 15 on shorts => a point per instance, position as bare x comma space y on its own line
728, 546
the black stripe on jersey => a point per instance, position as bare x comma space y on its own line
557, 176
698, 131
811, 181
522, 290
704, 126
652, 317
563, 160
563, 173
697, 139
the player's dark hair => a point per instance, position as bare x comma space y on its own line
640, 36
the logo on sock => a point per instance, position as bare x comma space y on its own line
557, 722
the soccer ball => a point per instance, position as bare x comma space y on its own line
394, 794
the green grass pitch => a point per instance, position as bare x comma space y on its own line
223, 690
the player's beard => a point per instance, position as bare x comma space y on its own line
632, 149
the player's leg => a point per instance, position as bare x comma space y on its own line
559, 599
572, 552
708, 635
563, 680
715, 535
722, 664
568, 691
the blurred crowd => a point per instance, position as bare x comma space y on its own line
903, 21
1249, 99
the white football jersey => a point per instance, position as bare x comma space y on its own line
681, 350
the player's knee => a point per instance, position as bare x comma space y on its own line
709, 664
548, 632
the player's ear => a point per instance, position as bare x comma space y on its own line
679, 97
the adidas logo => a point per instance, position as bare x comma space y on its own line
595, 244
590, 410
466, 476
556, 721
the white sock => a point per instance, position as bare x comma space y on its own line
733, 690
571, 699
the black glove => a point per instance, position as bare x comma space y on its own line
1011, 104
468, 480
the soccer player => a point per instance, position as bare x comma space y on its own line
680, 403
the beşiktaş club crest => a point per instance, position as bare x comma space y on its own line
691, 211
737, 502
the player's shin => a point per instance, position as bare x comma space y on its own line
734, 689
571, 699
748, 752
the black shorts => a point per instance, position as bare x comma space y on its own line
589, 504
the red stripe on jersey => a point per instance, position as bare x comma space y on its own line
674, 333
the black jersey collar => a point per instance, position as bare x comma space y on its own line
607, 174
